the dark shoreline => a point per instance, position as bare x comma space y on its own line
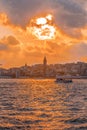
37, 78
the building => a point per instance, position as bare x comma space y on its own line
44, 66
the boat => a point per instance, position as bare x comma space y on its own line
63, 79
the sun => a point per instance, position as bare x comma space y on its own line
43, 27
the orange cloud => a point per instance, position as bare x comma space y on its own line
22, 47
84, 33
4, 19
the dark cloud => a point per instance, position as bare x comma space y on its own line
9, 43
3, 47
68, 14
12, 41
21, 10
79, 50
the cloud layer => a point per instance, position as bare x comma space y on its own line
69, 13
18, 46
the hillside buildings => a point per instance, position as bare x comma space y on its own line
45, 70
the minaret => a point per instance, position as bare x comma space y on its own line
44, 66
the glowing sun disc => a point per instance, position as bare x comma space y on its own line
43, 27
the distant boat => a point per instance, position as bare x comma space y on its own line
63, 80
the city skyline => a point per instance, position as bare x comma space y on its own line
19, 46
45, 70
41, 63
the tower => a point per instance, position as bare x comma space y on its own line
44, 66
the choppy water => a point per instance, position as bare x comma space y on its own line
27, 104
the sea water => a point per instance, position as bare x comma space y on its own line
30, 104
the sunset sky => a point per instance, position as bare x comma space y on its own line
19, 46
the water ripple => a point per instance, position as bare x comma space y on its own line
29, 104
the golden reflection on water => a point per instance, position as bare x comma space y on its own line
36, 104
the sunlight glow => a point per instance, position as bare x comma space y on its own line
41, 21
49, 17
43, 27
